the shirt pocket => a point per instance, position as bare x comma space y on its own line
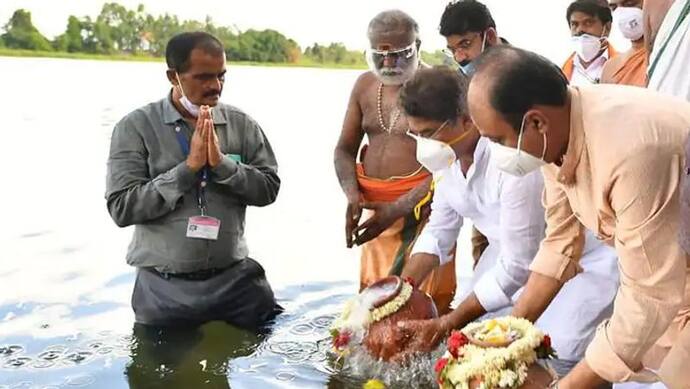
230, 143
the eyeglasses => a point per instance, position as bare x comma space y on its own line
400, 57
463, 45
423, 135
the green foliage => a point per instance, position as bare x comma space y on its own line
335, 53
20, 33
437, 58
118, 32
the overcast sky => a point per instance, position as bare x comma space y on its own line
538, 25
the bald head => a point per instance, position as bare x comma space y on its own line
393, 27
511, 81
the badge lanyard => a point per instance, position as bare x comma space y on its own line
203, 173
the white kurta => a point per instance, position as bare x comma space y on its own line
591, 75
508, 211
672, 73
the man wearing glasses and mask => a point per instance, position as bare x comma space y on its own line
469, 29
387, 182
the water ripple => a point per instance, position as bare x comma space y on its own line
10, 350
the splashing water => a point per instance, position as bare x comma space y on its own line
415, 372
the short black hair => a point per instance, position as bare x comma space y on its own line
595, 8
520, 79
437, 93
465, 16
180, 47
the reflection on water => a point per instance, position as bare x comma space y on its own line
293, 352
65, 316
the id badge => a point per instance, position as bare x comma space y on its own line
203, 227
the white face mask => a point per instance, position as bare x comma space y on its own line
515, 161
406, 64
192, 108
435, 155
586, 46
629, 21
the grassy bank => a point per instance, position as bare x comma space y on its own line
5, 52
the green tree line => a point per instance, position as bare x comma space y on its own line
118, 30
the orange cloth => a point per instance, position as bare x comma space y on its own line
569, 65
387, 254
374, 189
633, 71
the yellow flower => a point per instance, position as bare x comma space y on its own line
374, 384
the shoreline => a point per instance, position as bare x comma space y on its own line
16, 53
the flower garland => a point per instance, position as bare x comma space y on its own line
394, 305
496, 367
357, 316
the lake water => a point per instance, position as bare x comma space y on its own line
65, 316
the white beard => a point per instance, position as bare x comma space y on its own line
396, 76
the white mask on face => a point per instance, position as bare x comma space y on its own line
515, 161
192, 108
586, 46
435, 155
629, 21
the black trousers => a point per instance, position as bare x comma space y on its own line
240, 295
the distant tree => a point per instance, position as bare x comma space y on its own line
117, 29
20, 33
72, 40
335, 53
263, 46
437, 57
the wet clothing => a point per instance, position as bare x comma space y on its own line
182, 280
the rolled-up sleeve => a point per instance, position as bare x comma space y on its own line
254, 180
441, 232
560, 250
522, 228
644, 196
133, 196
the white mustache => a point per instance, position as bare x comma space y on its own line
392, 71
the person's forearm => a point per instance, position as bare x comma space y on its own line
405, 204
536, 297
469, 310
252, 185
133, 200
346, 170
582, 376
419, 266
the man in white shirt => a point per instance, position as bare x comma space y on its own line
507, 210
590, 24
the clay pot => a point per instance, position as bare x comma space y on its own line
419, 307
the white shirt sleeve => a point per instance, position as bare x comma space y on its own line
522, 228
441, 232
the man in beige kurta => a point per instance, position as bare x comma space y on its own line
613, 161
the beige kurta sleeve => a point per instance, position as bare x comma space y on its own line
644, 195
561, 249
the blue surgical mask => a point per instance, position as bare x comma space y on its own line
469, 68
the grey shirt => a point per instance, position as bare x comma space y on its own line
149, 186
